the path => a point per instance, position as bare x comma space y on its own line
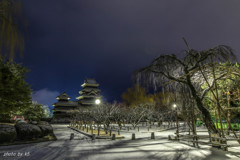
82, 148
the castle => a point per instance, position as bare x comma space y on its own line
89, 96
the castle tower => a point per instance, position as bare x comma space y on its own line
89, 95
63, 106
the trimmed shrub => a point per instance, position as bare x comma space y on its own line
43, 123
21, 121
7, 133
45, 127
28, 131
34, 122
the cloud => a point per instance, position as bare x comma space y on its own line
45, 96
108, 40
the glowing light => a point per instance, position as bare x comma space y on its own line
174, 105
97, 101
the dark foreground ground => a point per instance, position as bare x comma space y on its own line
83, 148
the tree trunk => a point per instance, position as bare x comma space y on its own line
228, 114
205, 113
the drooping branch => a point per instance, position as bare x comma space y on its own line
210, 86
188, 71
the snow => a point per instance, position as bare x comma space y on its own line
143, 148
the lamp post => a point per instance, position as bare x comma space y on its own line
97, 101
177, 132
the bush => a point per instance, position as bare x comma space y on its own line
21, 121
7, 133
45, 127
34, 122
28, 131
43, 123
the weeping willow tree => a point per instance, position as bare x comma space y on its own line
11, 39
187, 74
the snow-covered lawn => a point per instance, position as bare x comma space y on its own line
82, 147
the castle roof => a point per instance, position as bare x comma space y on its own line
88, 97
90, 82
87, 101
66, 103
90, 90
63, 96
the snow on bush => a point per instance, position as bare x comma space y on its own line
7, 133
45, 127
28, 131
21, 121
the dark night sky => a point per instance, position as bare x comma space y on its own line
68, 40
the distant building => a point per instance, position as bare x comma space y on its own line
90, 93
89, 96
63, 106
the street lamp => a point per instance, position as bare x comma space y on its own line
97, 101
177, 132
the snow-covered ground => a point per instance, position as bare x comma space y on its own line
83, 148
